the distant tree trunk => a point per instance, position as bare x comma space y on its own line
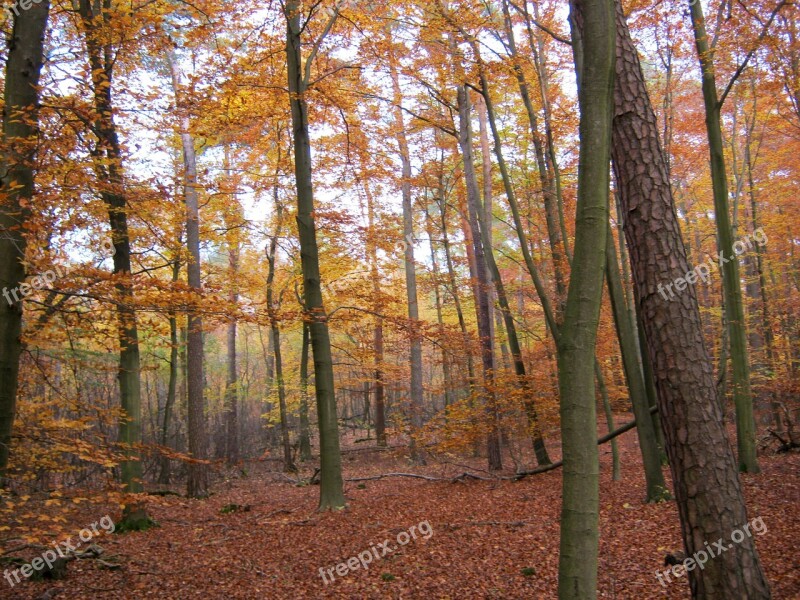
707, 488
197, 480
164, 472
766, 326
232, 382
273, 305
25, 55
734, 307
108, 167
539, 447
548, 185
305, 429
372, 251
331, 484
415, 341
593, 48
448, 392
648, 441
602, 388
482, 283
451, 275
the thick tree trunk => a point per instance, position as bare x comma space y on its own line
593, 46
707, 488
331, 485
734, 307
25, 55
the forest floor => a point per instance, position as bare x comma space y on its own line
474, 539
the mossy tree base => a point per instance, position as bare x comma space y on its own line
135, 518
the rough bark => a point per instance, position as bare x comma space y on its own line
706, 483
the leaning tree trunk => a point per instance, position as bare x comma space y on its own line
707, 488
593, 47
331, 485
20, 138
108, 167
731, 284
197, 480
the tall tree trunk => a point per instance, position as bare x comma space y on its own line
593, 47
482, 283
706, 483
197, 480
331, 494
108, 167
734, 307
415, 341
25, 54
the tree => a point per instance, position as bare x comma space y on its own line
107, 156
706, 484
331, 495
197, 480
734, 307
20, 130
593, 36
415, 343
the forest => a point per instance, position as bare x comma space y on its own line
447, 299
